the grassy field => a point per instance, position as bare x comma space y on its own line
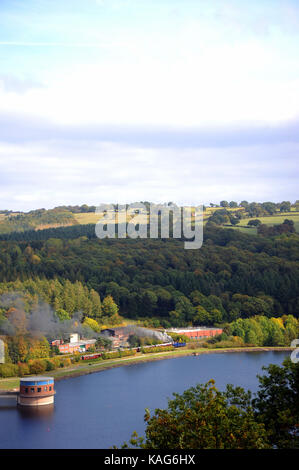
273, 220
92, 218
9, 384
87, 218
269, 220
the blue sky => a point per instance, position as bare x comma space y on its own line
123, 100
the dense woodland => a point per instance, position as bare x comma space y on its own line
248, 284
232, 276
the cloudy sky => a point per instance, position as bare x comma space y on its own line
123, 100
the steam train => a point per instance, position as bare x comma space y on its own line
88, 357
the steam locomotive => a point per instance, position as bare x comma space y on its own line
88, 357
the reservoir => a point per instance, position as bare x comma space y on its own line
102, 409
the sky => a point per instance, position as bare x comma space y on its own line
162, 100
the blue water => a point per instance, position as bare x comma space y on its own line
103, 409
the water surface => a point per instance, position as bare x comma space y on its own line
103, 409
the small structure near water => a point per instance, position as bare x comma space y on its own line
36, 391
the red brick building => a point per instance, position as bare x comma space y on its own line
197, 333
75, 344
36, 391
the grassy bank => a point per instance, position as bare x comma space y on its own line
83, 369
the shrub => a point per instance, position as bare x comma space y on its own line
67, 362
56, 361
196, 345
37, 366
158, 349
178, 337
23, 369
8, 370
76, 358
49, 364
119, 353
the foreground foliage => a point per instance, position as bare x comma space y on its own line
277, 404
205, 418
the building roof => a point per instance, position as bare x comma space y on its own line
201, 328
80, 343
36, 379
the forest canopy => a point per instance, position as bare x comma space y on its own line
233, 275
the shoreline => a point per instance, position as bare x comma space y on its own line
99, 367
143, 358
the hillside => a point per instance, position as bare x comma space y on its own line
233, 275
35, 220
225, 215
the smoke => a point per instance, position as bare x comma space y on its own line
145, 332
6, 328
42, 321
39, 321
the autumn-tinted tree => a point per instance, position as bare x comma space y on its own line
110, 310
204, 418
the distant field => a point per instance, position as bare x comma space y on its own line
210, 210
92, 218
87, 218
271, 220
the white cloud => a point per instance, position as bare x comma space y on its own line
217, 85
147, 65
50, 174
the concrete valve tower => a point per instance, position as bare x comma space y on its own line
36, 391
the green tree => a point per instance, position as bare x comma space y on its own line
291, 326
110, 310
254, 222
204, 418
285, 206
277, 404
91, 323
234, 220
103, 342
149, 301
62, 314
109, 306
185, 308
201, 316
